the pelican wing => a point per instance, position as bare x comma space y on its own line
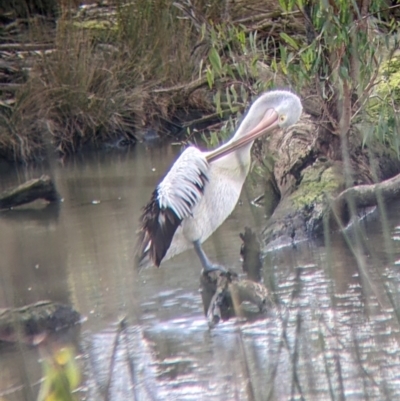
173, 200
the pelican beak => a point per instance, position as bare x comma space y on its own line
267, 124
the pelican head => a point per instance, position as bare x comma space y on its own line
275, 109
282, 107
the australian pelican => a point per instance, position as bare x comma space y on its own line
202, 188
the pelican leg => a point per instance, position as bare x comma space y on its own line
205, 262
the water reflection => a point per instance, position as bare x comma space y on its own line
332, 333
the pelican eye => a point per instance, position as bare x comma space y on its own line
282, 118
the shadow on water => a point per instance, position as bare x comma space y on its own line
332, 332
42, 215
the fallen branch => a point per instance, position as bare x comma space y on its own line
25, 46
188, 87
364, 196
204, 119
38, 188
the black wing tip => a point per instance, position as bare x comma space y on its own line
149, 257
155, 237
159, 224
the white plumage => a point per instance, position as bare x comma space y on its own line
220, 197
202, 188
180, 189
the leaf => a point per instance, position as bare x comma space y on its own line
228, 98
217, 100
274, 65
283, 67
229, 71
344, 72
210, 77
241, 37
214, 38
213, 139
234, 93
253, 41
289, 40
283, 5
215, 60
203, 32
201, 67
387, 44
61, 376
283, 59
283, 53
240, 70
254, 60
243, 94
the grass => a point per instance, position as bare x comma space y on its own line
97, 82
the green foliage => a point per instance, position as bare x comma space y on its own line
215, 138
61, 376
381, 107
339, 61
96, 81
232, 72
342, 60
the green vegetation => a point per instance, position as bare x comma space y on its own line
348, 42
136, 63
318, 182
382, 105
335, 61
61, 375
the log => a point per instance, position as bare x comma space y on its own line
37, 188
363, 196
32, 323
310, 175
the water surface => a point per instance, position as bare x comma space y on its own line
332, 332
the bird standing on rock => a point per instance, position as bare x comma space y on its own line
202, 188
